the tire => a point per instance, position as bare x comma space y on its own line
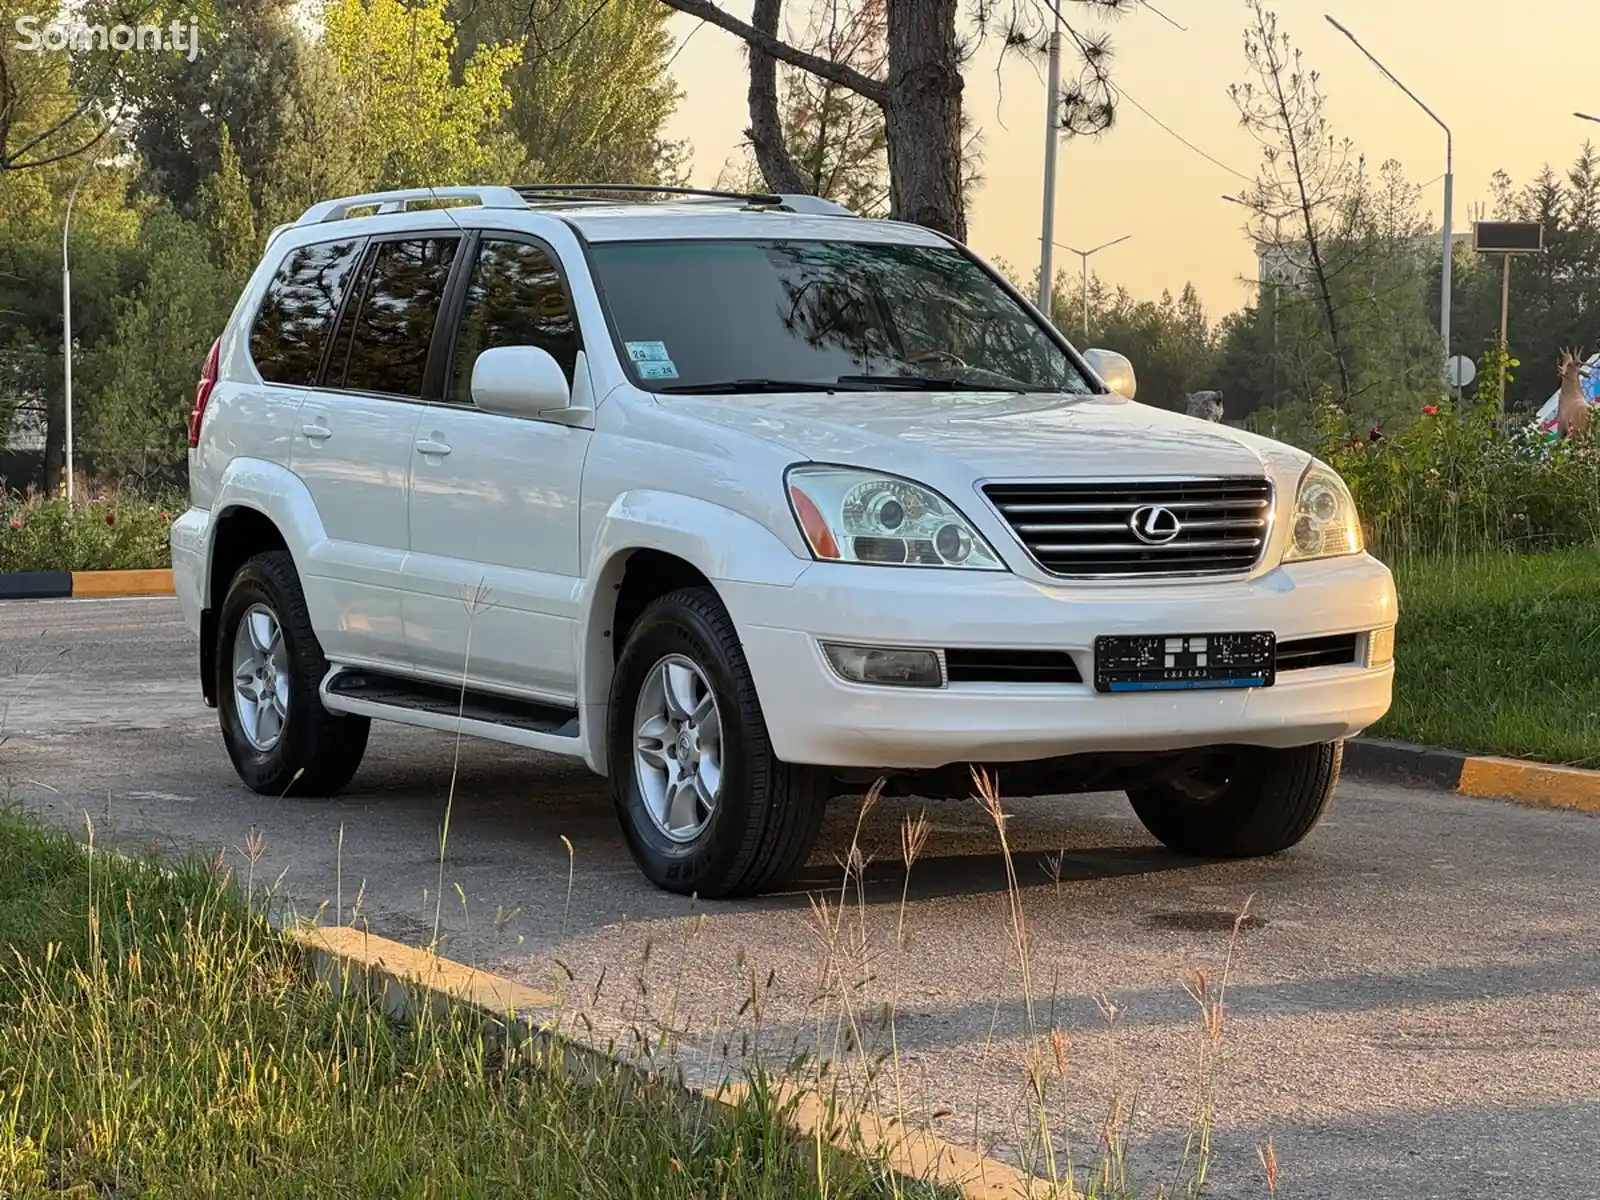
314, 752
1264, 802
766, 813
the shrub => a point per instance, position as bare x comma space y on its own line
110, 534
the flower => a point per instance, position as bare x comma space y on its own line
16, 523
165, 517
1430, 410
111, 518
1374, 434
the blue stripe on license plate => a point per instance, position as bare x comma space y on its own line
1184, 685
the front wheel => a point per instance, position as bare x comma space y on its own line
1242, 804
705, 805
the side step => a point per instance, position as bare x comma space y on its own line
363, 693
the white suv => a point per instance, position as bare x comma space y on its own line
747, 503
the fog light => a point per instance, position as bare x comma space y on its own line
1380, 647
884, 665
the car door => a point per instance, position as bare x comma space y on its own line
353, 445
494, 499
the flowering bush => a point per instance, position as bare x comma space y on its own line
108, 534
1451, 483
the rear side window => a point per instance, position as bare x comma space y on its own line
384, 339
291, 326
514, 298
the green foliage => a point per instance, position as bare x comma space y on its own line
227, 214
157, 1038
141, 381
103, 535
1452, 483
590, 90
1170, 342
1495, 655
413, 122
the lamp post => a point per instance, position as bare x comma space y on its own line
1263, 284
1052, 118
66, 312
1085, 255
1449, 184
1586, 117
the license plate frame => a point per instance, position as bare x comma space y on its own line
1184, 662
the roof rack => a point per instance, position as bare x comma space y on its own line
489, 196
530, 195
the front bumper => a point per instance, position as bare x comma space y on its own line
815, 717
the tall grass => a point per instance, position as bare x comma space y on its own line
159, 1039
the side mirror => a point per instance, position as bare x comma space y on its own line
1114, 370
519, 381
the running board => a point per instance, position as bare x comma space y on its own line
362, 693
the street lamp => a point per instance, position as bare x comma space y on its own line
1084, 255
66, 309
1586, 117
1052, 135
1449, 184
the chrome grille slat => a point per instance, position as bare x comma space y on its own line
1083, 529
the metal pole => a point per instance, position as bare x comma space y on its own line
1051, 136
1449, 166
1505, 344
66, 316
1449, 244
1085, 299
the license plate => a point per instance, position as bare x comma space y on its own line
1185, 662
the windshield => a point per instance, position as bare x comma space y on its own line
751, 316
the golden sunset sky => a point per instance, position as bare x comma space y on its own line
1506, 82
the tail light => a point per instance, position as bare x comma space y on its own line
202, 391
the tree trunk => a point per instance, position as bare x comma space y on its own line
922, 116
766, 123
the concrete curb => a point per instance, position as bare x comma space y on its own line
65, 585
405, 981
1537, 784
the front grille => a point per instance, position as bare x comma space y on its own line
1010, 666
1336, 651
1087, 530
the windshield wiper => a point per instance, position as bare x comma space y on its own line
927, 383
750, 387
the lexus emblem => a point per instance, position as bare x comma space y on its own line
1154, 525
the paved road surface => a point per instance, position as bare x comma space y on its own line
1412, 1010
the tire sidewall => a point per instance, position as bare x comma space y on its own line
273, 769
665, 629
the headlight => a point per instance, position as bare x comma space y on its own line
861, 517
1324, 523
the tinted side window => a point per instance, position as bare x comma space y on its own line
388, 340
515, 298
291, 325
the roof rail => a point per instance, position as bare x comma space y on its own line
591, 193
488, 196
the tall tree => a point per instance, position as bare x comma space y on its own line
919, 89
591, 94
228, 217
247, 79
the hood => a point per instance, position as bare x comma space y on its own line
994, 435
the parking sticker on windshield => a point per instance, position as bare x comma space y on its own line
656, 370
645, 352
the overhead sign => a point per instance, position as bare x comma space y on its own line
1507, 237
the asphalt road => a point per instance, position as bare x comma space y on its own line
1411, 1008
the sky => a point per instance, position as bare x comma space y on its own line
1506, 86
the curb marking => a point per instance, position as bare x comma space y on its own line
66, 585
407, 979
1539, 785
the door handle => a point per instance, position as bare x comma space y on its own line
432, 447
316, 433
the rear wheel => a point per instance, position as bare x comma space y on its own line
269, 665
1243, 804
704, 804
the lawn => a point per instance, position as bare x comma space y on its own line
156, 1039
1500, 654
